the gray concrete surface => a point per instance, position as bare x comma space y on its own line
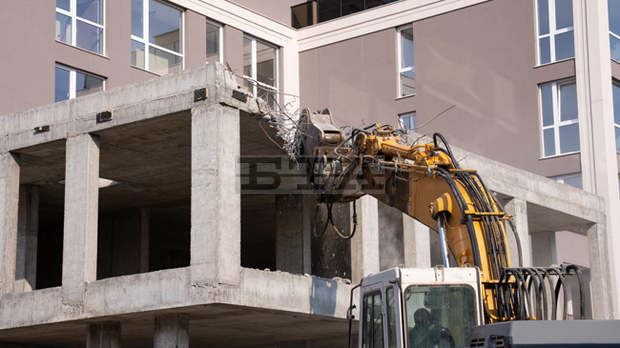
104, 335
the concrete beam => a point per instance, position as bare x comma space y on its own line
216, 194
104, 335
518, 209
293, 234
27, 238
365, 256
417, 243
79, 257
171, 330
9, 202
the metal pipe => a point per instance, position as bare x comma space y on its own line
442, 239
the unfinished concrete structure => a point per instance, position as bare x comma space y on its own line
161, 245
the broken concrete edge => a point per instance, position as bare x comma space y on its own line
152, 98
174, 289
532, 188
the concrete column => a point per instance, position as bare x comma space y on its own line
518, 209
216, 195
104, 335
9, 201
365, 244
417, 243
391, 249
171, 331
596, 125
79, 256
293, 224
544, 249
600, 283
145, 239
27, 238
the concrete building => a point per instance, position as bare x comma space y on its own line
137, 230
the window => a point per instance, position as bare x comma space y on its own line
616, 92
614, 28
436, 315
215, 37
260, 66
80, 23
391, 318
555, 30
406, 72
373, 321
407, 121
560, 127
70, 83
156, 29
570, 179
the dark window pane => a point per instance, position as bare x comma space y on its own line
64, 4
569, 138
546, 95
563, 13
89, 37
87, 84
614, 16
573, 180
564, 46
164, 26
406, 48
617, 139
91, 10
616, 93
352, 6
137, 54
544, 50
162, 62
213, 42
543, 17
328, 9
568, 102
61, 84
391, 319
63, 28
137, 9
549, 141
614, 44
305, 14
247, 56
373, 3
265, 64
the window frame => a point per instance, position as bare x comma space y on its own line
557, 122
553, 32
220, 30
399, 55
73, 80
254, 66
612, 34
410, 114
145, 33
74, 18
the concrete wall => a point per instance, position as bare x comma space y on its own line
476, 58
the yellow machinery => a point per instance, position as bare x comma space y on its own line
427, 183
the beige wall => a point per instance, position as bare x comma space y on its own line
477, 58
278, 10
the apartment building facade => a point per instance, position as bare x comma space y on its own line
533, 84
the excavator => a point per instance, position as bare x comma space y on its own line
476, 298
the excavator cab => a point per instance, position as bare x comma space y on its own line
430, 307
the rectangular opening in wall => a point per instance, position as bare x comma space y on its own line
40, 216
144, 196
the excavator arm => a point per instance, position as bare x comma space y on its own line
423, 181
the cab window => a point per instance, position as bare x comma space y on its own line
391, 319
373, 321
439, 316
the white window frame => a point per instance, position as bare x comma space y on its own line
557, 122
615, 84
409, 115
73, 79
551, 34
74, 18
145, 34
254, 77
400, 57
221, 38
